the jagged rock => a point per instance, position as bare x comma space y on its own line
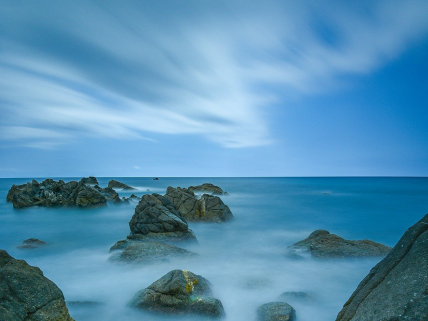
156, 219
115, 184
53, 193
396, 289
31, 243
208, 208
27, 295
207, 187
91, 180
179, 292
150, 252
322, 244
276, 311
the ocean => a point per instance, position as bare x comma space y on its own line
244, 259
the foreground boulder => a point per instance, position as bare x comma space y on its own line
207, 187
58, 193
26, 295
276, 311
150, 252
116, 184
179, 292
32, 243
322, 244
208, 208
396, 289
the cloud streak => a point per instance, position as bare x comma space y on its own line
130, 71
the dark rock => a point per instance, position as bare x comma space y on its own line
32, 243
396, 288
179, 292
208, 208
150, 252
207, 187
52, 193
135, 197
155, 179
25, 294
276, 311
91, 180
294, 296
322, 244
115, 184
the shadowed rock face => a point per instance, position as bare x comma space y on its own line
26, 295
207, 187
396, 288
208, 208
322, 244
179, 292
276, 311
115, 184
52, 193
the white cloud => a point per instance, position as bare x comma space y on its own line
126, 72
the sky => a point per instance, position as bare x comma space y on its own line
213, 88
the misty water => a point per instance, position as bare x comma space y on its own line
243, 259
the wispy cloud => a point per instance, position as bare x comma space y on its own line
127, 70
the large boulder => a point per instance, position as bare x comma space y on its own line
150, 252
25, 294
58, 193
179, 292
276, 311
396, 289
322, 244
208, 208
116, 184
207, 187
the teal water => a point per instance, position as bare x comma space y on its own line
270, 214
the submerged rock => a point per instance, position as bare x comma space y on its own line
396, 289
150, 252
208, 208
27, 295
58, 193
207, 187
294, 296
91, 180
179, 292
116, 184
276, 311
322, 244
32, 243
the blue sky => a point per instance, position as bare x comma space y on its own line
213, 88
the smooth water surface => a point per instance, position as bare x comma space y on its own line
244, 259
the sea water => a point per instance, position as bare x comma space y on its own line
244, 259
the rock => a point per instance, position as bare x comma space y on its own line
84, 303
322, 244
32, 243
257, 283
133, 196
208, 208
207, 187
150, 252
396, 288
155, 179
156, 219
91, 180
115, 184
276, 311
25, 294
294, 296
52, 193
179, 292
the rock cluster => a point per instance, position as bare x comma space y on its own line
27, 295
207, 187
116, 184
322, 244
276, 311
396, 289
208, 208
32, 243
58, 193
179, 292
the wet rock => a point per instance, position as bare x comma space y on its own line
396, 288
90, 197
276, 311
116, 184
32, 243
207, 187
208, 208
179, 292
150, 252
91, 180
26, 295
322, 244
